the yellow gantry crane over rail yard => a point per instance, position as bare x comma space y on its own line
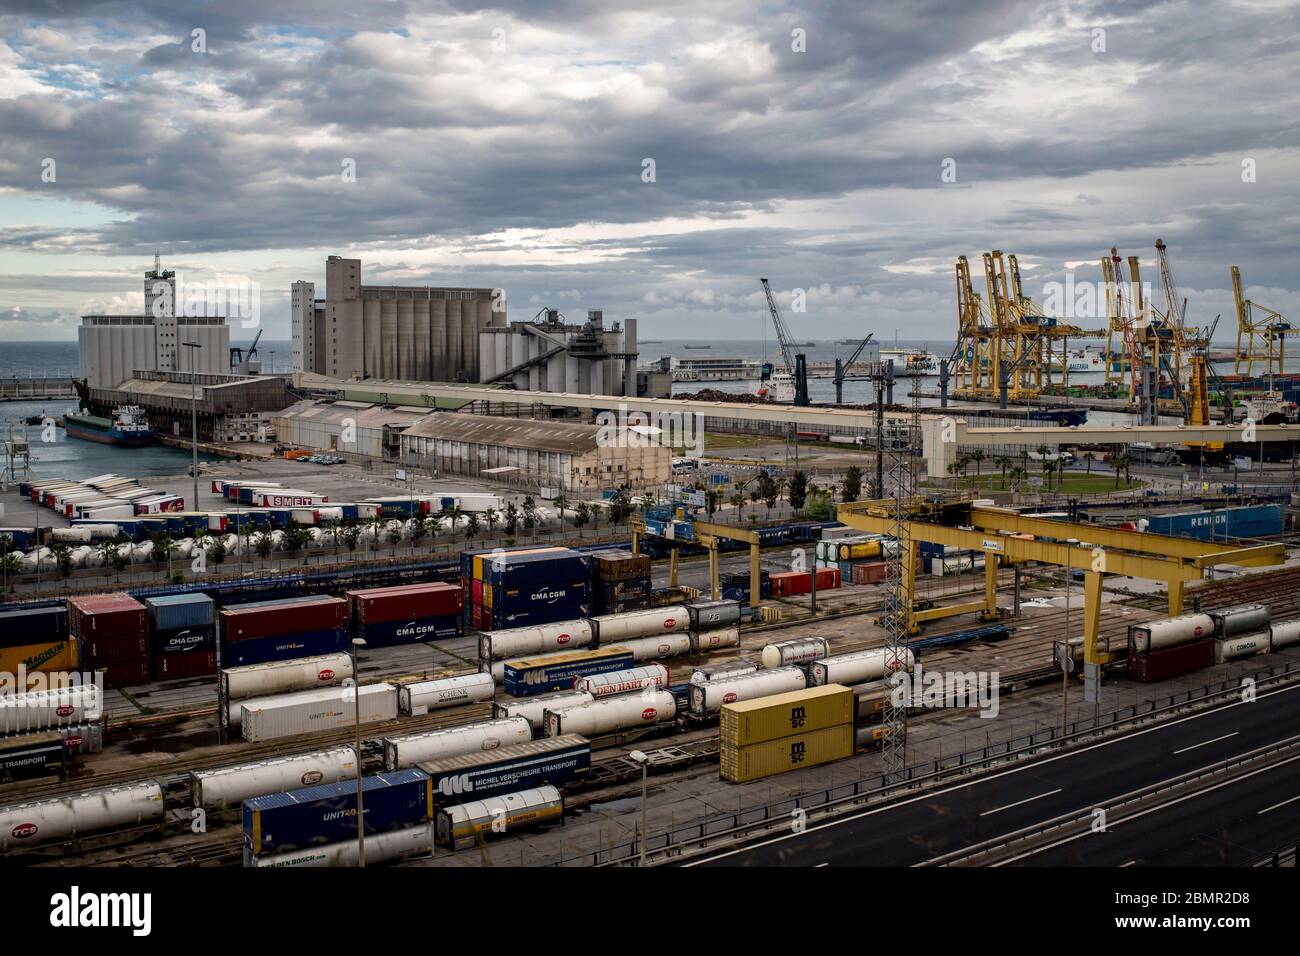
1264, 331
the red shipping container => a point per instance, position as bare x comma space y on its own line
869, 572
178, 666
476, 592
790, 583
125, 673
267, 619
828, 579
378, 605
107, 615
98, 651
1171, 661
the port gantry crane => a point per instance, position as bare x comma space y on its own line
795, 364
1264, 329
844, 367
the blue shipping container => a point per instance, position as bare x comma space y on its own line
511, 772
542, 677
33, 626
262, 650
327, 813
181, 640
407, 631
180, 610
1250, 521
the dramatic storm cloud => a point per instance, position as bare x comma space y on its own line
849, 149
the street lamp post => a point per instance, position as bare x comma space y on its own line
357, 644
640, 757
194, 422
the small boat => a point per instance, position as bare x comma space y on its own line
128, 427
697, 346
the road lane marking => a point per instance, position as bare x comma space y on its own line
1206, 743
948, 790
1018, 803
1276, 805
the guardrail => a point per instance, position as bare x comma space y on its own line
731, 827
1282, 856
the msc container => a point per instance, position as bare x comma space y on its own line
33, 626
380, 848
279, 677
230, 786
63, 818
50, 709
1284, 634
708, 698
799, 651
180, 611
277, 618
702, 642
1150, 666
420, 697
32, 755
705, 615
652, 622
461, 825
1155, 635
537, 675
327, 813
527, 641
1242, 619
1243, 645
533, 709
624, 682
553, 760
376, 605
267, 718
860, 666
796, 752
411, 749
759, 720
612, 714
702, 675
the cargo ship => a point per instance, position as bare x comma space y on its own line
127, 427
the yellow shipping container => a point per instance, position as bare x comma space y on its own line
50, 656
487, 595
780, 715
860, 551
742, 764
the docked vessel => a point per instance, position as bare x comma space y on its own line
128, 427
715, 368
779, 387
911, 362
1086, 360
1270, 408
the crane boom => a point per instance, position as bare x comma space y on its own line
783, 336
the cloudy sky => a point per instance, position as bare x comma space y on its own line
506, 145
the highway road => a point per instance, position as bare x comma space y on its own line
930, 825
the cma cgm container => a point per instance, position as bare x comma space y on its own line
615, 565
1150, 666
1251, 521
797, 752
521, 588
757, 721
553, 760
328, 813
179, 611
404, 615
275, 618
315, 710
538, 675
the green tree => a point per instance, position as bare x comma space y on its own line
852, 483
977, 456
1003, 462
217, 551
738, 502
491, 516
561, 502
798, 495
351, 536
394, 535
376, 524
472, 527
512, 519
262, 545
419, 529
62, 558
453, 516
581, 514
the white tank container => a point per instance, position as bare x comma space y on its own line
618, 628
1177, 630
408, 750
799, 651
510, 811
1284, 634
50, 709
515, 642
1243, 645
859, 667
43, 821
1242, 619
423, 696
228, 786
708, 698
266, 718
282, 677
702, 642
612, 714
380, 847
533, 709
624, 682
655, 648
703, 675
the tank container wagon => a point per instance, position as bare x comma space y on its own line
613, 714
463, 824
66, 818
230, 786
860, 667
630, 681
707, 698
419, 697
407, 750
557, 761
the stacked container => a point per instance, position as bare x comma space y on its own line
266, 631
182, 636
385, 617
734, 586
518, 588
790, 583
112, 635
620, 581
36, 639
792, 731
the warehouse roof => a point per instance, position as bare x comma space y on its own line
555, 436
362, 414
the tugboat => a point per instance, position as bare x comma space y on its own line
127, 427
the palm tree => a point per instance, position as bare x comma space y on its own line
491, 516
471, 527
738, 502
561, 502
977, 456
453, 516
1003, 462
376, 523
